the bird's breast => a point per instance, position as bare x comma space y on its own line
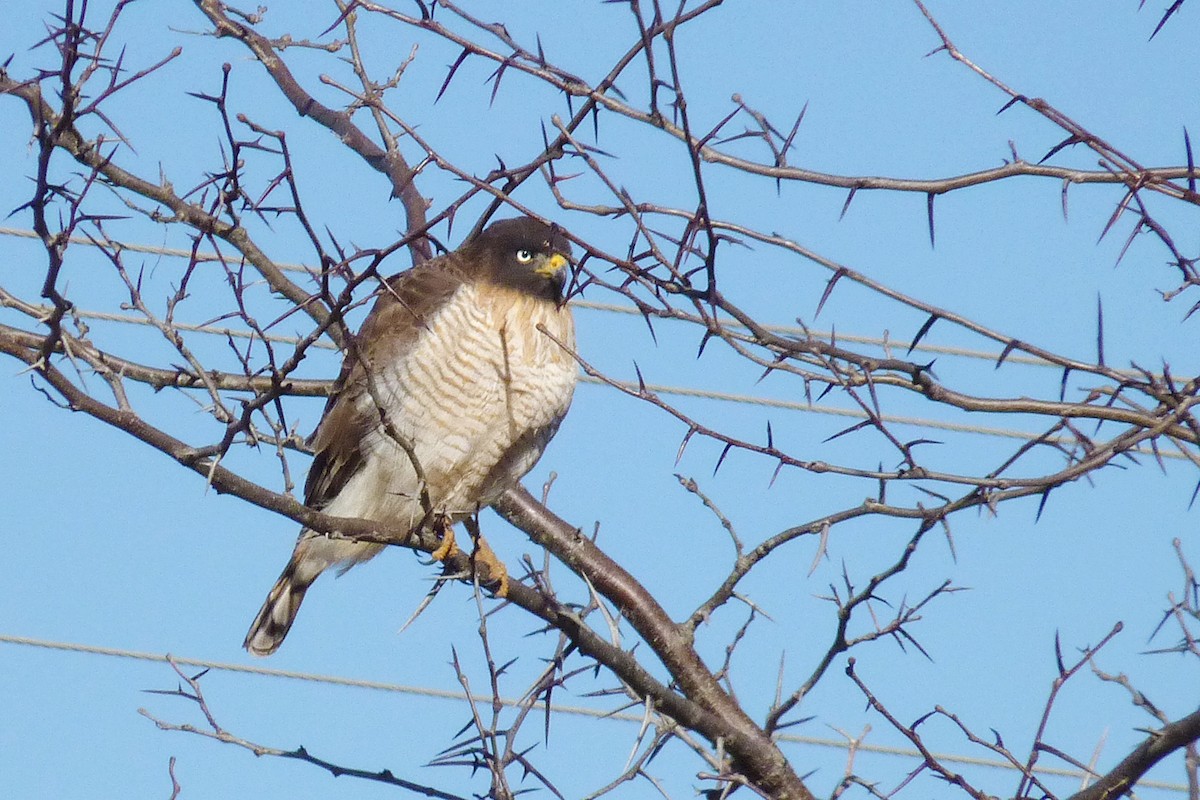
480, 391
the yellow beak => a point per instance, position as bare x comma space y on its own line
551, 266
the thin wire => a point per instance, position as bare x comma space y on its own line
882, 343
787, 330
657, 388
426, 691
151, 249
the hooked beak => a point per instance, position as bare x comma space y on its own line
555, 265
554, 269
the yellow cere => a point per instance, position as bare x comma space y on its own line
551, 265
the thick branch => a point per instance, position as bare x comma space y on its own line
1157, 746
19, 344
88, 154
752, 750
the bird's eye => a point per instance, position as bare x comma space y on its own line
524, 256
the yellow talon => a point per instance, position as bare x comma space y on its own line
448, 548
495, 570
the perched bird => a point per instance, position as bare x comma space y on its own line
450, 394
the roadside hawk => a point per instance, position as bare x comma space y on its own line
450, 394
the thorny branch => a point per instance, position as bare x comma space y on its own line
670, 271
213, 730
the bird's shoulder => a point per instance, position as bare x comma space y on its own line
408, 302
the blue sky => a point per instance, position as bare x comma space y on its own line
108, 543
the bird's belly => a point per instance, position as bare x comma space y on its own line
477, 404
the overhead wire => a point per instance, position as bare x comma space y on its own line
557, 708
656, 388
613, 308
634, 386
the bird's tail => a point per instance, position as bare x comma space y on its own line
314, 554
279, 611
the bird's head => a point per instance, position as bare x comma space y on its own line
524, 254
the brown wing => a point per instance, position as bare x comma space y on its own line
400, 316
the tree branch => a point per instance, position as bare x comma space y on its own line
1157, 746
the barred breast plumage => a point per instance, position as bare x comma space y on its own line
451, 360
479, 398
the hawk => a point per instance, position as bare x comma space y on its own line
450, 394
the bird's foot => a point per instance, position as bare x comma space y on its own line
490, 568
448, 548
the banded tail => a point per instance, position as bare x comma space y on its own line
313, 555
279, 611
